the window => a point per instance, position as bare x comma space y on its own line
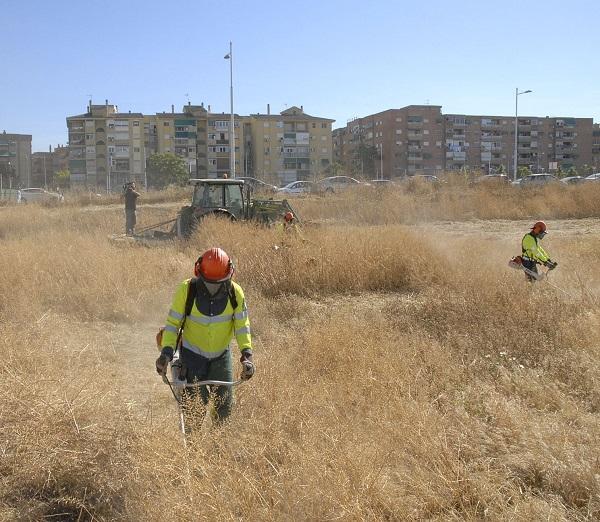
222, 124
167, 136
212, 136
323, 138
323, 125
266, 124
314, 125
136, 149
398, 131
165, 123
279, 124
89, 136
324, 150
267, 150
136, 123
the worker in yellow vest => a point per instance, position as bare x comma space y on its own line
214, 308
532, 253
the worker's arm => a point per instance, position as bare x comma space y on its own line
533, 251
175, 316
241, 321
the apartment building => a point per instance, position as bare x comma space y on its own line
596, 147
420, 139
289, 146
44, 165
15, 158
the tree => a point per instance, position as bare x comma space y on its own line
62, 178
365, 159
166, 169
523, 171
335, 169
572, 171
501, 169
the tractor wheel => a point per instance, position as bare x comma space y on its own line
186, 223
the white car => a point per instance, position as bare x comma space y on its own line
29, 195
297, 188
338, 183
593, 177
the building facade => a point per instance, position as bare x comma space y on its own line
107, 148
420, 139
596, 147
289, 146
15, 159
44, 166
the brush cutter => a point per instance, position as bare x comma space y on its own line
517, 263
177, 386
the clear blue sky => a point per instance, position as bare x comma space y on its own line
337, 58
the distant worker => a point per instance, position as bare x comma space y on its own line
217, 312
532, 253
130, 195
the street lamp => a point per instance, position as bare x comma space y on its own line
231, 123
516, 152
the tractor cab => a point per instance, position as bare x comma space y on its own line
220, 196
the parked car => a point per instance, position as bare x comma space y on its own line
258, 185
536, 180
29, 195
429, 178
593, 177
573, 180
338, 183
297, 188
381, 183
493, 178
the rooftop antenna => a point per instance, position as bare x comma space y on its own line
188, 97
90, 97
427, 101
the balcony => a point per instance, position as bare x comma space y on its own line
414, 148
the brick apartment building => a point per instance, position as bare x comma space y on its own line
420, 139
107, 147
44, 165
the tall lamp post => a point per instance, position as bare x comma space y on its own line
516, 152
231, 122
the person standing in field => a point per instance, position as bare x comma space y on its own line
210, 309
532, 253
130, 195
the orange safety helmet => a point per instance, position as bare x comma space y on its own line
214, 266
539, 227
289, 217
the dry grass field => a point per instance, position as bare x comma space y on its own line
404, 372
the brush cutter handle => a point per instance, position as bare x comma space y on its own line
200, 383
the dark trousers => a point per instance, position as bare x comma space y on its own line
130, 221
198, 368
532, 267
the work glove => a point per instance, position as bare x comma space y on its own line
551, 265
166, 356
247, 365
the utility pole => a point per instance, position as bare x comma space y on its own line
232, 119
516, 152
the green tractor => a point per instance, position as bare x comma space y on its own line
226, 198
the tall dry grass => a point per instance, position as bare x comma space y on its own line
402, 374
425, 202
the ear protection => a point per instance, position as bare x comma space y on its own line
231, 267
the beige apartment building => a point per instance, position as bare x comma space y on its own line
15, 159
107, 148
289, 146
420, 139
